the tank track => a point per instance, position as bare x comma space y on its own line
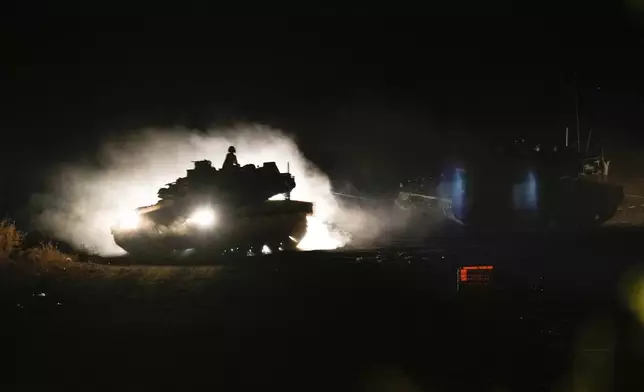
249, 236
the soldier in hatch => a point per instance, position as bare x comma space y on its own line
231, 159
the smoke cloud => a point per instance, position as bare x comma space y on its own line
85, 201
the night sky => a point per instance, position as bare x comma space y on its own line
365, 87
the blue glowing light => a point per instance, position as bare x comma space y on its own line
458, 193
525, 195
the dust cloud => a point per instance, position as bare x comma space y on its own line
85, 201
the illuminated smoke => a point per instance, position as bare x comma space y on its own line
84, 202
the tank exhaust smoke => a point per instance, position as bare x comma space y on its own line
84, 202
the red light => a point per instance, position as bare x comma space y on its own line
465, 274
478, 267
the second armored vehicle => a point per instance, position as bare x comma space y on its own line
520, 186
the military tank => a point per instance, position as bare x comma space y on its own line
521, 186
226, 210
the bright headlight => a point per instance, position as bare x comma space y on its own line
203, 217
129, 220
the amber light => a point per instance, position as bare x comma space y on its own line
464, 271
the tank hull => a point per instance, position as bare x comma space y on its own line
278, 225
532, 203
581, 203
517, 185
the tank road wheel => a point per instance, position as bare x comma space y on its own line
272, 246
256, 249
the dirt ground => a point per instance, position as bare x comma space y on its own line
631, 212
560, 312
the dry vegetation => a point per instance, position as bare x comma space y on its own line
10, 239
47, 252
11, 247
26, 271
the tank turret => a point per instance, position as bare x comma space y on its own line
239, 186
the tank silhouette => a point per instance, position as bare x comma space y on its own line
525, 185
517, 185
219, 210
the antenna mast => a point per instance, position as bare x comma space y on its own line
590, 133
577, 111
